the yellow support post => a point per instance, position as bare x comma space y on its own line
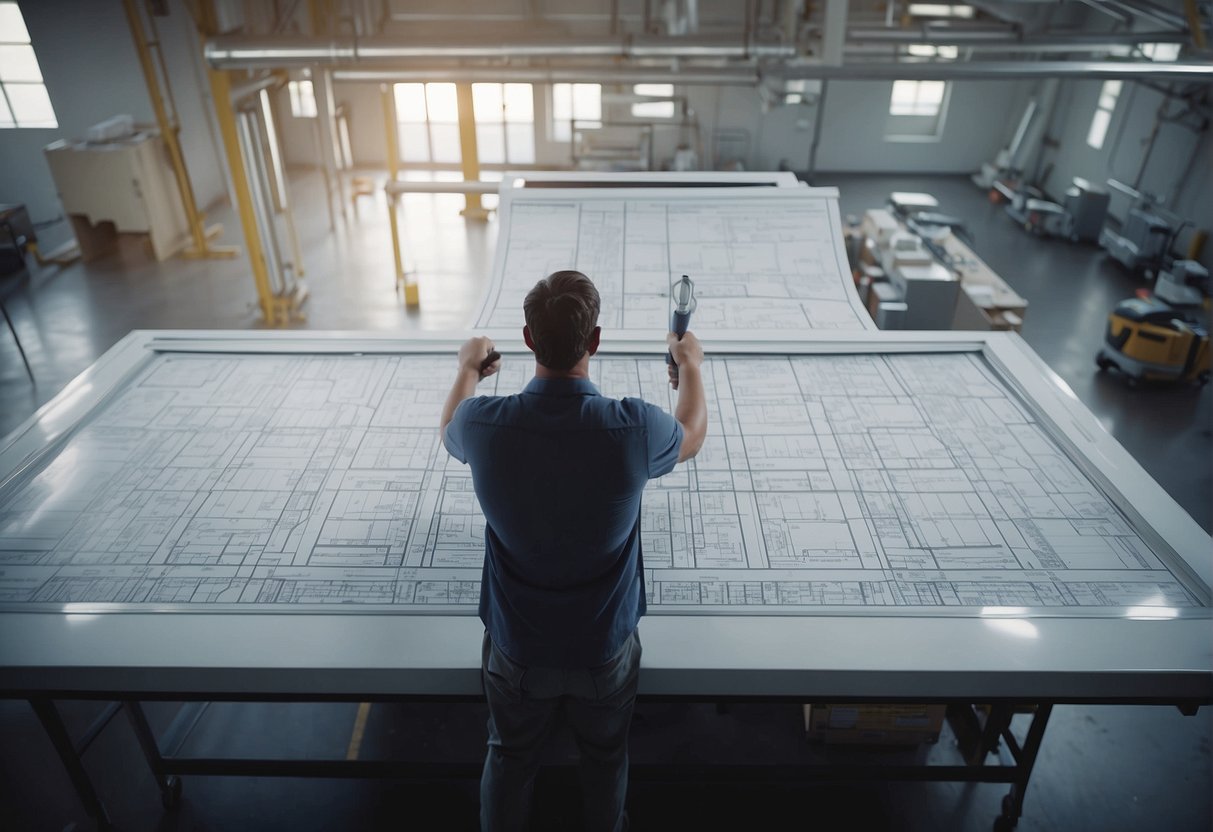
221, 93
169, 133
1194, 23
412, 295
468, 151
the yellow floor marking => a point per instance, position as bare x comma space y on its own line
364, 710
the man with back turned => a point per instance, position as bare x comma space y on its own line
559, 470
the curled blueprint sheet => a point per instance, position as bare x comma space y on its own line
766, 261
828, 483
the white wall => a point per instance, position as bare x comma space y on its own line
91, 70
979, 116
1180, 168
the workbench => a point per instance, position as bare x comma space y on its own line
201, 628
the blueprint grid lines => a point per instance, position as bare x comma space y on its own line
772, 262
827, 483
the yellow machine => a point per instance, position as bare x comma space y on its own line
1149, 339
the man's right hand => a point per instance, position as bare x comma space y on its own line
686, 352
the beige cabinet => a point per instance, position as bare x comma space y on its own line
129, 183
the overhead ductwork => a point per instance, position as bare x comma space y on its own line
239, 52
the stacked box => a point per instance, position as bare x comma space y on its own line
900, 724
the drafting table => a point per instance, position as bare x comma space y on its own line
268, 516
176, 494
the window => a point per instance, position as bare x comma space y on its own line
428, 117
303, 99
917, 98
1103, 113
653, 109
24, 101
1161, 51
941, 10
505, 123
582, 102
926, 50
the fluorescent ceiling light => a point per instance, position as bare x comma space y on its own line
941, 10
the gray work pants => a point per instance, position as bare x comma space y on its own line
523, 705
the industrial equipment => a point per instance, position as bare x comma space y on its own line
1148, 338
1087, 205
1143, 242
1185, 283
1078, 217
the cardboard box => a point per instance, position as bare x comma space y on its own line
900, 724
879, 224
973, 312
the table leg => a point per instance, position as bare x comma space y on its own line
52, 722
169, 785
1012, 802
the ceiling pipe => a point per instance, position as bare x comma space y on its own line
998, 70
979, 39
239, 52
244, 90
554, 75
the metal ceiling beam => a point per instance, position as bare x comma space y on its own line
998, 70
233, 52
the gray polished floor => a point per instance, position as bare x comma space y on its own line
1106, 768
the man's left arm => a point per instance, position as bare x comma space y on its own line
472, 356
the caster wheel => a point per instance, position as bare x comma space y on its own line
1002, 823
170, 795
1102, 363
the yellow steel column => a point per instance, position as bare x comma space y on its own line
1194, 23
221, 94
168, 132
469, 152
412, 296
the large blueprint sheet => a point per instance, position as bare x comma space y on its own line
852, 483
768, 261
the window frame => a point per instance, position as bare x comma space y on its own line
1105, 110
555, 125
9, 112
671, 95
917, 127
301, 102
429, 162
504, 123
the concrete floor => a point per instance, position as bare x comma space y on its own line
1107, 768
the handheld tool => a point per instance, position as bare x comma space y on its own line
684, 304
492, 356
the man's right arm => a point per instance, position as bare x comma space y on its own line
692, 410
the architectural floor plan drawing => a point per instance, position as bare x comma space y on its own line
770, 262
828, 483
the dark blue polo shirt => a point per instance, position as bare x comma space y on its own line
559, 469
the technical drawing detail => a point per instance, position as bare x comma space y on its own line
772, 263
827, 482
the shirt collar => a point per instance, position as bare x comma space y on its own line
561, 387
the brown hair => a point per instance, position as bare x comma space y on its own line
561, 312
